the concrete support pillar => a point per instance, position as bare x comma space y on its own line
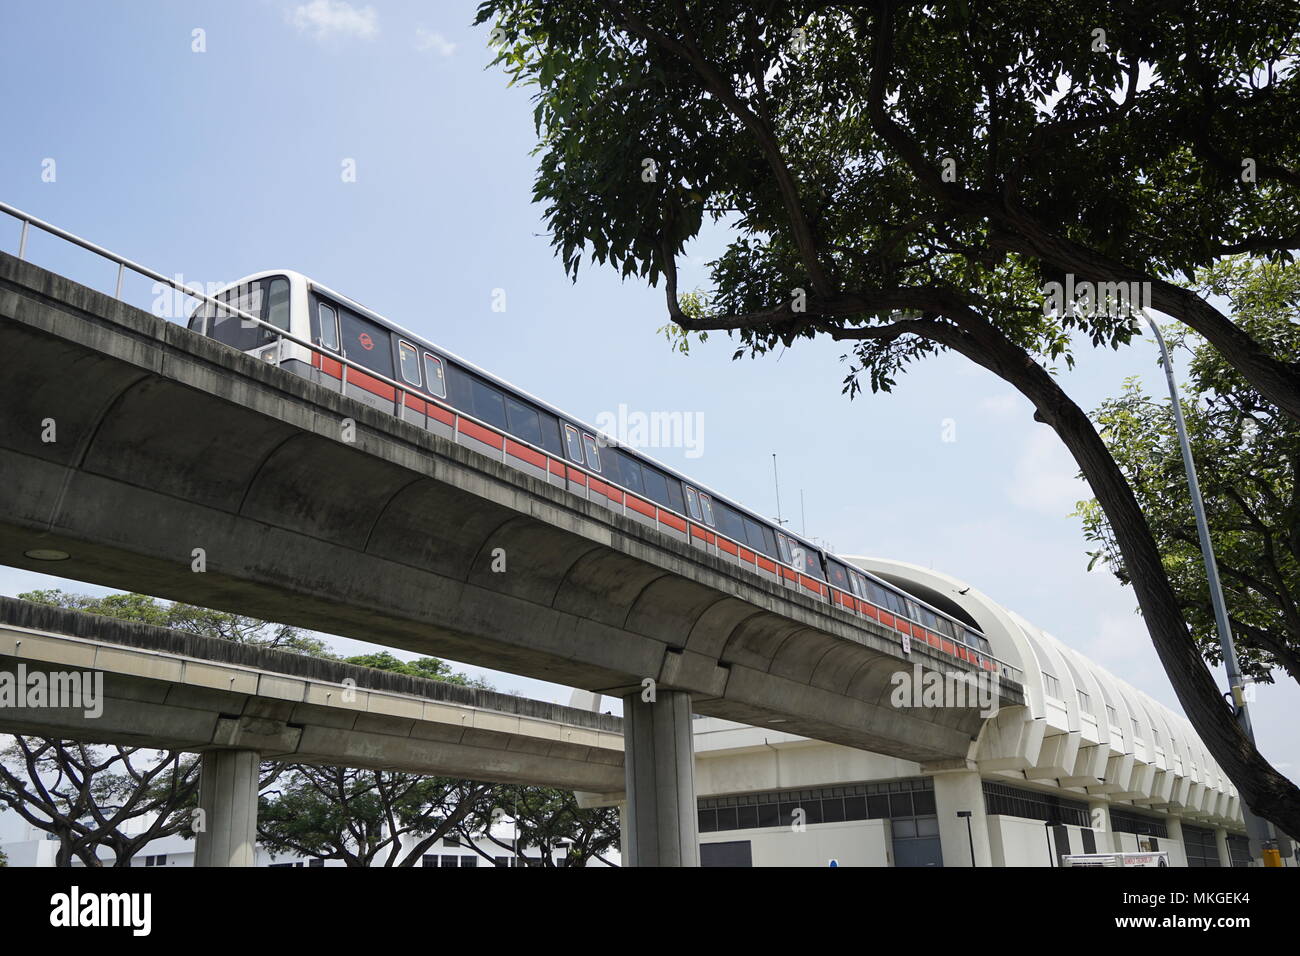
1221, 844
228, 785
960, 791
1177, 857
1099, 815
623, 853
659, 758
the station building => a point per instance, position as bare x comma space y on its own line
1088, 764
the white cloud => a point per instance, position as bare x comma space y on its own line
1043, 477
430, 40
331, 19
1004, 404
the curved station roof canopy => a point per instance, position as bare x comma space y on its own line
1081, 728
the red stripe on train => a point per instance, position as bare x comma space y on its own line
644, 507
524, 453
479, 433
671, 520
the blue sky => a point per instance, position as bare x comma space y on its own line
229, 161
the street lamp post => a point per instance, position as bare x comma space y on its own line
969, 835
1259, 829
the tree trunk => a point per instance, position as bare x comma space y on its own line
1267, 792
1276, 380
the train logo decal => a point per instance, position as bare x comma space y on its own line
366, 341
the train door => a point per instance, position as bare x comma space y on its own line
325, 333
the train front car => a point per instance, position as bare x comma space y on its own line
278, 298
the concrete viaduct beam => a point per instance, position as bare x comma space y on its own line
169, 442
170, 690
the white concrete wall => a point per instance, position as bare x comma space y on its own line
736, 758
857, 843
1014, 841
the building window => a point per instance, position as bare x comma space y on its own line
1200, 847
902, 799
1003, 800
1238, 850
1051, 685
1124, 821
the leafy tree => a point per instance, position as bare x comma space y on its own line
144, 609
85, 795
1247, 457
547, 820
364, 817
4, 860
907, 178
430, 668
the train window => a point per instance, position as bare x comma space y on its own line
929, 619
656, 485
551, 434
806, 559
754, 535
366, 343
813, 563
277, 311
230, 329
946, 629
630, 472
523, 422
859, 585
329, 326
706, 505
593, 453
729, 522
574, 441
839, 577
675, 499
693, 503
409, 357
876, 594
783, 545
489, 404
913, 610
433, 375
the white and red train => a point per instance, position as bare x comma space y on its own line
377, 362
